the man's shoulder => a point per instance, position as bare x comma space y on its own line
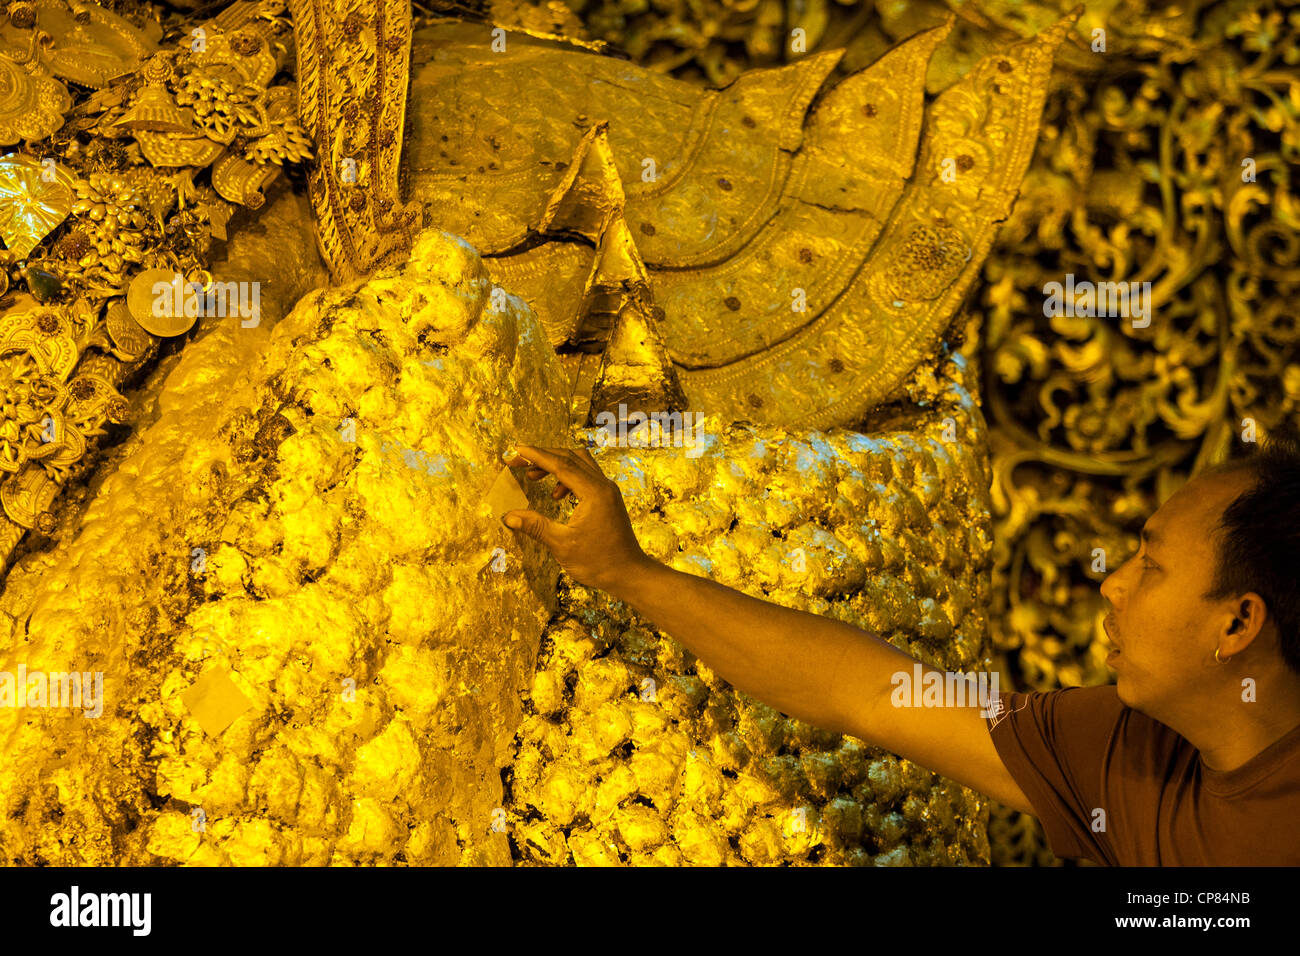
1094, 713
1093, 717
1099, 702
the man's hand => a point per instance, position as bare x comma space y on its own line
597, 545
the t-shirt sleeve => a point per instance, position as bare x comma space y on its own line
1054, 745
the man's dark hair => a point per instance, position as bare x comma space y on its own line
1258, 536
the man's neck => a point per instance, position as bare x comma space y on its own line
1232, 734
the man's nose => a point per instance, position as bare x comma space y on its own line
1110, 588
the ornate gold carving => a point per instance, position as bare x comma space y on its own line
858, 150
85, 43
353, 68
120, 187
869, 322
45, 418
854, 356
551, 277
32, 102
709, 201
484, 170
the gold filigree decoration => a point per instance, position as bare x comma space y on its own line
353, 68
83, 42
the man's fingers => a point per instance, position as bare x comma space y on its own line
514, 460
538, 527
565, 466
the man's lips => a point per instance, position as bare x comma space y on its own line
1109, 624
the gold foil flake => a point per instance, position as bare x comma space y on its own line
215, 701
505, 495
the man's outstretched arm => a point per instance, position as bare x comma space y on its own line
819, 670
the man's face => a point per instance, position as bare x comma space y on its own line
1164, 632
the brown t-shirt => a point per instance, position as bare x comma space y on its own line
1116, 787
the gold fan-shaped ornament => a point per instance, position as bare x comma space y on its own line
155, 110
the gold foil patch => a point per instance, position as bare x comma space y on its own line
215, 701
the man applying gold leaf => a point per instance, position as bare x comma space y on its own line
1191, 758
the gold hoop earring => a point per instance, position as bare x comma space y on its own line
1217, 659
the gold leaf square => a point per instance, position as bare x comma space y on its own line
215, 701
505, 495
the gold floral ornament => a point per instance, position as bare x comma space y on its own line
221, 107
241, 179
37, 353
35, 197
92, 399
48, 333
26, 498
287, 141
189, 110
927, 261
238, 57
32, 102
109, 233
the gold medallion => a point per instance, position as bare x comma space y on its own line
162, 312
127, 334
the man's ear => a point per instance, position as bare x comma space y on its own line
1247, 624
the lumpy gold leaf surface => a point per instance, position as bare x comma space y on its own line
633, 751
302, 515
305, 514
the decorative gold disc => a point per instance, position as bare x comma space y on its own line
157, 313
127, 334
